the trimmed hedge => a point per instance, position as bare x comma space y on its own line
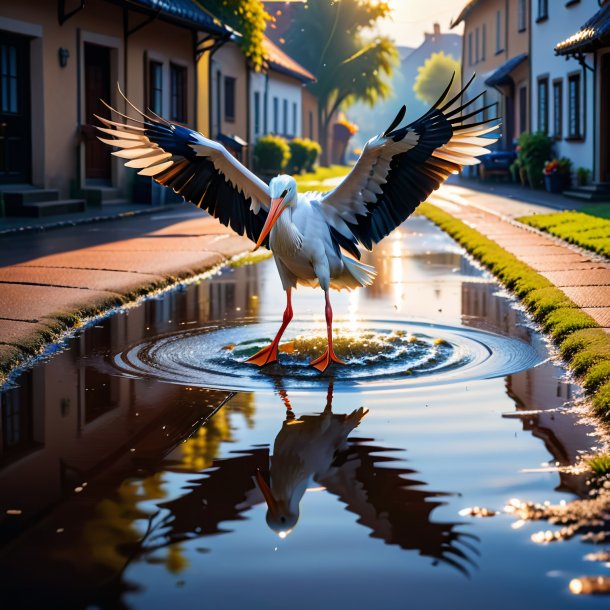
271, 154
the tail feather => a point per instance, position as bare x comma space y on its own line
356, 274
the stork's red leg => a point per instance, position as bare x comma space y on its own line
269, 354
328, 356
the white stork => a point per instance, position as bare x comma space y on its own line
314, 237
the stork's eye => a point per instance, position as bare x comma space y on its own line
284, 193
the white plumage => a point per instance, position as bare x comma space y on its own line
315, 238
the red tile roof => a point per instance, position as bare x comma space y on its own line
281, 62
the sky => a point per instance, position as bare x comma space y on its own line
411, 18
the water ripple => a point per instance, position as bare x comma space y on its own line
382, 355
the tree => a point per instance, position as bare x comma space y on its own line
249, 18
335, 41
434, 75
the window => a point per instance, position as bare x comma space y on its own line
499, 37
574, 106
294, 118
470, 49
285, 117
276, 117
557, 108
177, 93
257, 112
229, 99
522, 109
8, 74
311, 124
543, 105
477, 56
522, 16
483, 41
483, 103
155, 86
543, 10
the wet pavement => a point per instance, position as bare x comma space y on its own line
139, 469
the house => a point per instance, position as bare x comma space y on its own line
563, 91
279, 101
495, 47
229, 83
58, 60
587, 74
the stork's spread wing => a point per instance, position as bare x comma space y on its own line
200, 170
401, 167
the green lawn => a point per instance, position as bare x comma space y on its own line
589, 229
317, 181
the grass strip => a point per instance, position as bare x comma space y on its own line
585, 230
582, 343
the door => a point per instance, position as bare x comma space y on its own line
97, 87
605, 119
15, 126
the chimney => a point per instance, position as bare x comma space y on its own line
437, 30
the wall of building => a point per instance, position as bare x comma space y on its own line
562, 22
57, 93
285, 89
310, 115
484, 50
229, 61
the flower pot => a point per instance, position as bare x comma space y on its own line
555, 183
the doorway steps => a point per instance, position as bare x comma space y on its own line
97, 196
39, 203
594, 193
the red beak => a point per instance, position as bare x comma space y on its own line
266, 491
274, 213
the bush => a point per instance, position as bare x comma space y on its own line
303, 155
314, 150
271, 154
299, 155
534, 150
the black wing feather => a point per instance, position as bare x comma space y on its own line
414, 174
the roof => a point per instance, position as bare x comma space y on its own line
501, 76
592, 35
187, 13
464, 13
281, 62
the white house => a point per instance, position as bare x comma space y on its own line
563, 90
589, 49
276, 97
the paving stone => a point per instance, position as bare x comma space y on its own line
560, 265
18, 332
34, 303
116, 281
155, 263
600, 314
589, 296
597, 277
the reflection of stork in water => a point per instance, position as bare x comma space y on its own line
389, 500
304, 451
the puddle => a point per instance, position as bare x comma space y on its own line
382, 355
144, 465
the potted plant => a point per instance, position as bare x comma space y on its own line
557, 174
582, 176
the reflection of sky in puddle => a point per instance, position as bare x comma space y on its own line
171, 507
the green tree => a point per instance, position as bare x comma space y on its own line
249, 18
433, 76
335, 41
